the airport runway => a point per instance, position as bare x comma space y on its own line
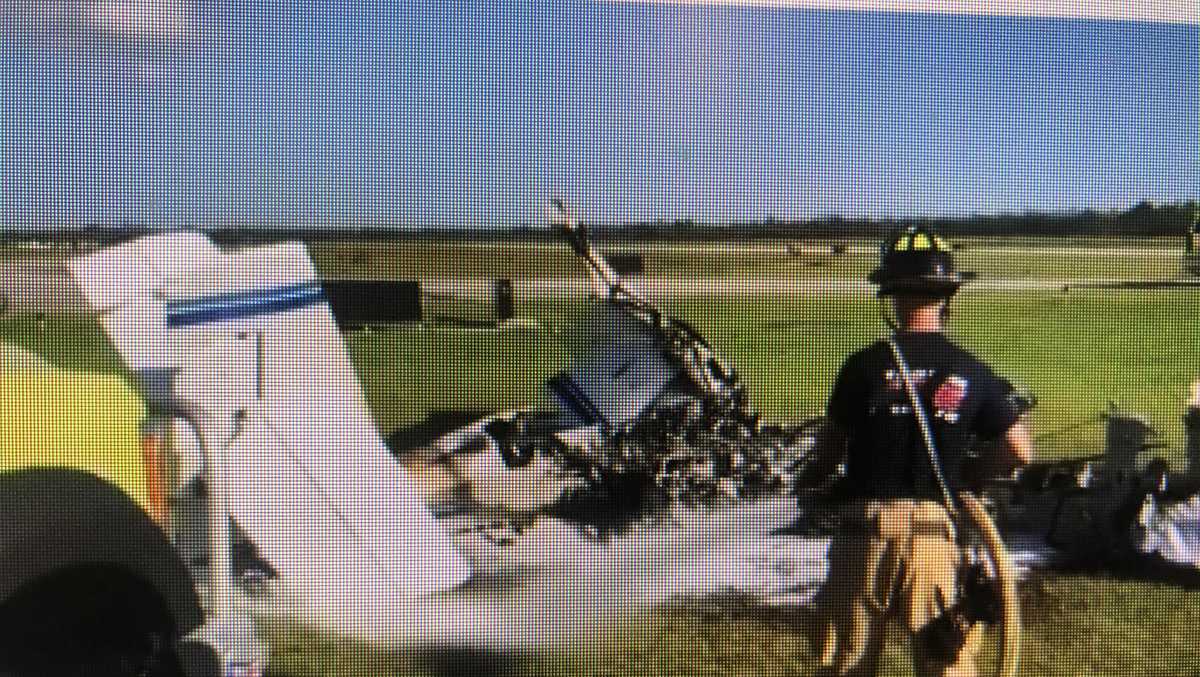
822, 248
668, 288
42, 286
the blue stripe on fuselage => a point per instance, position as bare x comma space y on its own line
576, 400
239, 305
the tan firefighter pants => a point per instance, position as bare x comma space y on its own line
893, 558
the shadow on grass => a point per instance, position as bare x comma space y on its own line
1142, 569
453, 662
1046, 601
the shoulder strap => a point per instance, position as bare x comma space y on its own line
910, 388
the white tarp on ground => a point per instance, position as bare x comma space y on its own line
249, 340
1170, 530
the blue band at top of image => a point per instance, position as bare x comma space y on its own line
239, 305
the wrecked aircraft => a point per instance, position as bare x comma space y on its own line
647, 417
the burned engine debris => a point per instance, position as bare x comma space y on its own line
650, 419
646, 417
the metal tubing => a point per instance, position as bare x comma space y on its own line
220, 571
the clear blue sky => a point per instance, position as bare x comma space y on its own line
473, 113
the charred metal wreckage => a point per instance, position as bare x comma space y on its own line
647, 417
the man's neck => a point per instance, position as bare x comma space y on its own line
921, 318
922, 326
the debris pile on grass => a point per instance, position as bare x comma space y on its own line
673, 459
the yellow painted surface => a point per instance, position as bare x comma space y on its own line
89, 422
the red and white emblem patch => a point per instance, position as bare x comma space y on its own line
949, 396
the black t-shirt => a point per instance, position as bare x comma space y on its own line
963, 400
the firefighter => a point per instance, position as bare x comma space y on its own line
895, 554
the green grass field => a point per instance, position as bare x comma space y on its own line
1077, 350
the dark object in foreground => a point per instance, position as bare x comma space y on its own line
361, 303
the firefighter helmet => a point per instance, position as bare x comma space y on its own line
918, 262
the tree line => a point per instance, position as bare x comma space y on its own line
1145, 219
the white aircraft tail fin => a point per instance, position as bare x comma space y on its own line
247, 337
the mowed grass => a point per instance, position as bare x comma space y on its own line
68, 340
1075, 625
1076, 350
